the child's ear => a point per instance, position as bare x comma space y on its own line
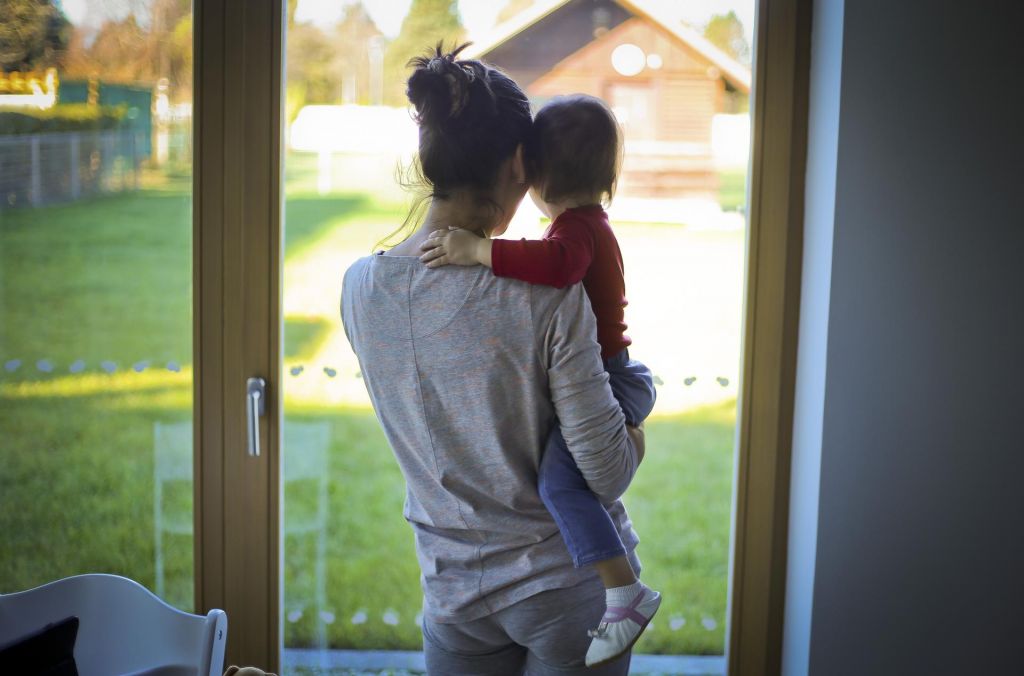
519, 166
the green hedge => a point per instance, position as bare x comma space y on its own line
69, 117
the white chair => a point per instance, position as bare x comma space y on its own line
122, 627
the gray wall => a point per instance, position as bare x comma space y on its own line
920, 542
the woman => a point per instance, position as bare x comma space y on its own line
468, 373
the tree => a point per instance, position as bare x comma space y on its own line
313, 73
130, 51
511, 8
332, 66
725, 31
33, 34
427, 22
359, 50
119, 53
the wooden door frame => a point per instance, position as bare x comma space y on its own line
236, 278
237, 296
771, 317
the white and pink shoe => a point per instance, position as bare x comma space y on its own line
621, 626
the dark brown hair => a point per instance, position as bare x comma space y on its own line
575, 149
471, 119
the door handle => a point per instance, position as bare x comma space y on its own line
255, 408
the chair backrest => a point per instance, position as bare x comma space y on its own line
305, 450
123, 627
305, 455
172, 447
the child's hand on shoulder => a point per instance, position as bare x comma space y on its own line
453, 247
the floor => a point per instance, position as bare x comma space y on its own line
410, 663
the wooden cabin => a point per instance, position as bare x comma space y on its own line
664, 81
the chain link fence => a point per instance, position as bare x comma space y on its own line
38, 169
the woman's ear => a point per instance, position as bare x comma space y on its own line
519, 166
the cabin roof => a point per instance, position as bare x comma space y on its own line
734, 72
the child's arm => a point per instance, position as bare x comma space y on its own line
455, 247
559, 260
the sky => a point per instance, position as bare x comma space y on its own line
478, 16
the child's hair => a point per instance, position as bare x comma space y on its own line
575, 149
471, 119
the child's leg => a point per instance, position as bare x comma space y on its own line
630, 607
632, 385
592, 538
585, 525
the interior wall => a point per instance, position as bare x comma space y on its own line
920, 543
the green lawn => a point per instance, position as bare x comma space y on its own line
109, 280
732, 189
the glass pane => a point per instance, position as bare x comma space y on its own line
96, 294
351, 577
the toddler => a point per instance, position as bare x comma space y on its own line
573, 160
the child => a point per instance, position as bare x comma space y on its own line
573, 160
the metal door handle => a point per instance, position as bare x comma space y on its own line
255, 408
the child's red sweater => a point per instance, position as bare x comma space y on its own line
579, 245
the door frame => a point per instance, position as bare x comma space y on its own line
770, 327
237, 267
237, 285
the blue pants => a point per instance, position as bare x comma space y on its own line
584, 523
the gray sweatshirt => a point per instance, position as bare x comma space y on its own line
467, 373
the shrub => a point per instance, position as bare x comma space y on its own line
69, 117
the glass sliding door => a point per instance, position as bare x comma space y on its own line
678, 77
96, 321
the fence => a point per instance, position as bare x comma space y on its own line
37, 169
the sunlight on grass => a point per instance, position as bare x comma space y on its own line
89, 384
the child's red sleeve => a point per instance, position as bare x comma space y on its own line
561, 259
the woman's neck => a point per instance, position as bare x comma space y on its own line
452, 212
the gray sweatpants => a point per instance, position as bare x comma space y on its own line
542, 635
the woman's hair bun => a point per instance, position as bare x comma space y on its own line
440, 87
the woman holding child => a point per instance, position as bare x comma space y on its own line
500, 373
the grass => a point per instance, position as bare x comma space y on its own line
98, 458
108, 279
679, 502
732, 189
